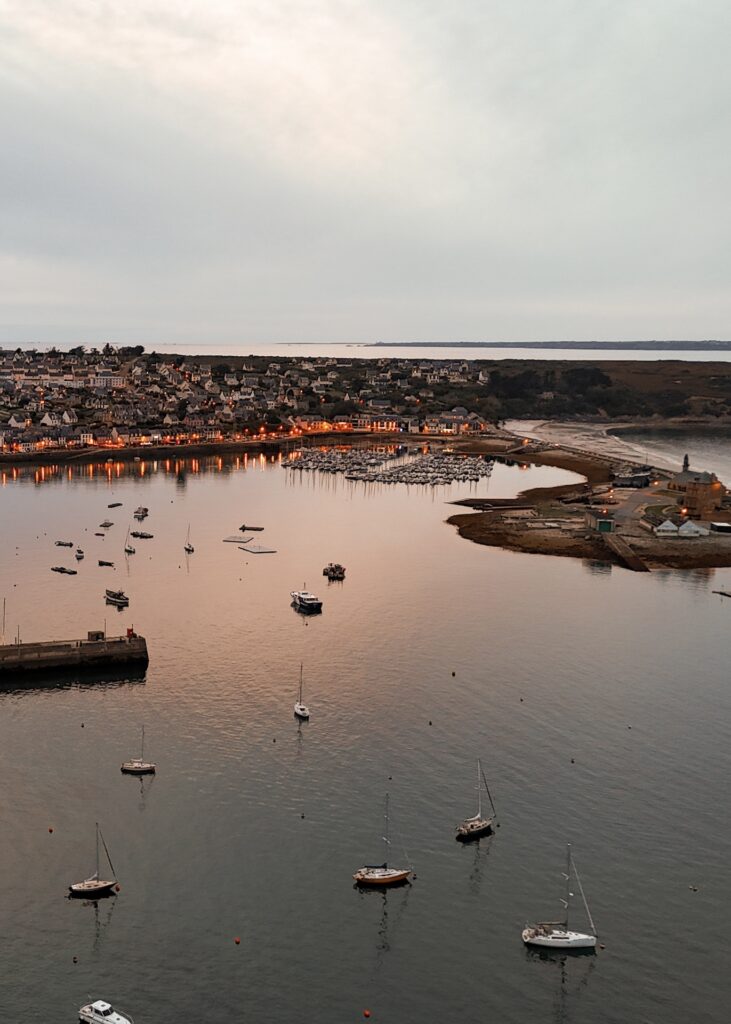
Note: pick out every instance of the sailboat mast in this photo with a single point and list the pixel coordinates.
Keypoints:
(479, 789)
(97, 849)
(583, 897)
(386, 840)
(142, 748)
(568, 883)
(300, 700)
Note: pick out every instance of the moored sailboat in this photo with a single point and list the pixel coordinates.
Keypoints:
(94, 885)
(381, 874)
(300, 708)
(473, 828)
(188, 547)
(128, 549)
(138, 765)
(557, 934)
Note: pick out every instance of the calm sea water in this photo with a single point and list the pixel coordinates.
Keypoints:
(598, 700)
(344, 350)
(708, 451)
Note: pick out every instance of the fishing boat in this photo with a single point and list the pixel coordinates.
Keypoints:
(63, 569)
(144, 536)
(141, 512)
(557, 934)
(64, 543)
(334, 571)
(473, 828)
(101, 1012)
(79, 554)
(128, 549)
(106, 524)
(94, 885)
(138, 765)
(103, 562)
(188, 548)
(117, 597)
(382, 874)
(301, 710)
(305, 602)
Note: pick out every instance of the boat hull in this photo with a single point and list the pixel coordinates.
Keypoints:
(90, 890)
(558, 939)
(138, 768)
(381, 877)
(467, 832)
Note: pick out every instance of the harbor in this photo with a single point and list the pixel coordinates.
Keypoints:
(432, 654)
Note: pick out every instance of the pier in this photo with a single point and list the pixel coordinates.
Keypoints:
(97, 651)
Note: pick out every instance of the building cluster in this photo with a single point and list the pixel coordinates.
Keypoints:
(122, 397)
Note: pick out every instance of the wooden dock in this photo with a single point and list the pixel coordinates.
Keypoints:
(627, 557)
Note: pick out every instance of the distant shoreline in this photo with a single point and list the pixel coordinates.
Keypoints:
(629, 346)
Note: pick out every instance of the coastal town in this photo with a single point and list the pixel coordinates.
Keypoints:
(118, 398)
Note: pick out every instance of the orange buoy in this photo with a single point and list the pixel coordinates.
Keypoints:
(237, 940)
(50, 829)
(366, 1013)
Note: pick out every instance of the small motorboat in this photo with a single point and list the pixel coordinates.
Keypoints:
(64, 543)
(138, 765)
(106, 524)
(256, 529)
(141, 512)
(305, 602)
(101, 1012)
(143, 536)
(95, 886)
(64, 570)
(334, 571)
(79, 554)
(100, 534)
(117, 597)
(102, 562)
(115, 504)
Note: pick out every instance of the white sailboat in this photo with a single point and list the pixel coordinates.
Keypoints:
(94, 885)
(473, 828)
(557, 934)
(138, 765)
(128, 549)
(300, 708)
(382, 874)
(188, 548)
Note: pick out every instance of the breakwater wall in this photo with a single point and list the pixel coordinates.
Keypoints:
(64, 654)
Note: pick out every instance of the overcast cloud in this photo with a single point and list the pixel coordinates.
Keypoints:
(343, 170)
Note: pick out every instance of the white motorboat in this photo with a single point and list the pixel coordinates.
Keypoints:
(301, 710)
(94, 886)
(557, 934)
(188, 547)
(381, 874)
(473, 828)
(305, 602)
(101, 1012)
(138, 765)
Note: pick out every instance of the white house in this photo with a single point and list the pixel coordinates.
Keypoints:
(666, 529)
(690, 530)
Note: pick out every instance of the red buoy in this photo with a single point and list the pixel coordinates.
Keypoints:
(237, 940)
(366, 1013)
(117, 887)
(50, 829)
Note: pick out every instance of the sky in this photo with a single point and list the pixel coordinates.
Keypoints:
(246, 171)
